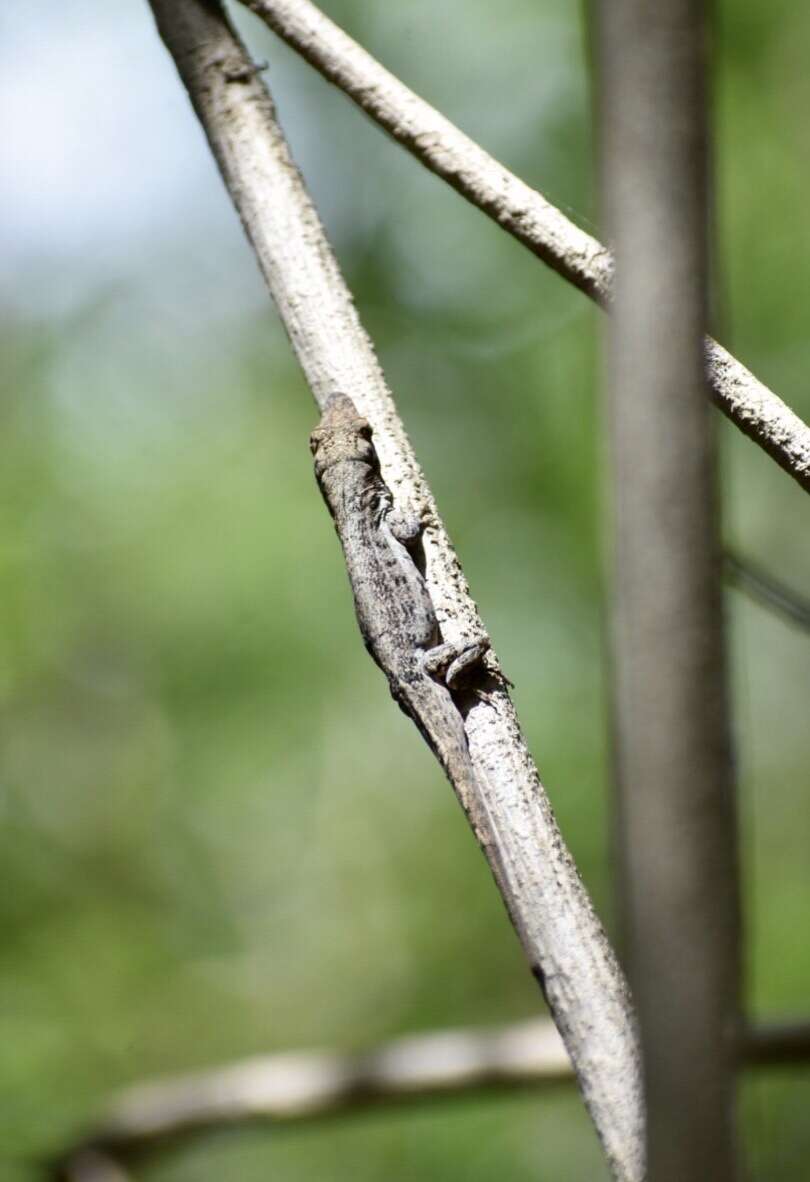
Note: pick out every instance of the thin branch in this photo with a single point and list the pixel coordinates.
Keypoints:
(91, 1164)
(305, 1086)
(520, 210)
(563, 940)
(677, 836)
(778, 1044)
(764, 589)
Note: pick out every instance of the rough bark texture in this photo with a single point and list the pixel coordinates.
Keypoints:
(439, 145)
(563, 939)
(521, 211)
(677, 834)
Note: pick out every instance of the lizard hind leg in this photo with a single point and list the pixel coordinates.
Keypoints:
(449, 661)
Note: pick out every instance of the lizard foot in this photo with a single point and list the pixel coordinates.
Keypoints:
(405, 526)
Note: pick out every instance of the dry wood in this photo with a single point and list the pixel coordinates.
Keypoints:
(550, 909)
(297, 1086)
(520, 210)
(676, 833)
(305, 1085)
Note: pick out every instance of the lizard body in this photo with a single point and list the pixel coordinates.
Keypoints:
(392, 602)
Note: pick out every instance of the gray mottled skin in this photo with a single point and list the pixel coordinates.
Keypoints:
(391, 599)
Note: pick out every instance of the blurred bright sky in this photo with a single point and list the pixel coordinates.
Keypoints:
(106, 175)
(94, 138)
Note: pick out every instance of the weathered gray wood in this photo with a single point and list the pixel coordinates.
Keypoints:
(550, 909)
(677, 834)
(520, 210)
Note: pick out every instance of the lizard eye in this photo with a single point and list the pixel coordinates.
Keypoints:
(363, 428)
(315, 439)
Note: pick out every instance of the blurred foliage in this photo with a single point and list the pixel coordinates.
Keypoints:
(219, 836)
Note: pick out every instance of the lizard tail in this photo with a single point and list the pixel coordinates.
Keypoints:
(433, 710)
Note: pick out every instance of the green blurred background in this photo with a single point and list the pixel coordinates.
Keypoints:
(219, 836)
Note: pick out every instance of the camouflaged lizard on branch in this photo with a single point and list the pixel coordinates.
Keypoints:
(393, 605)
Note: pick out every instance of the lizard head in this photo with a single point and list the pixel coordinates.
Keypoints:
(342, 434)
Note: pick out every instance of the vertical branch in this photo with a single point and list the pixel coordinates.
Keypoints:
(677, 844)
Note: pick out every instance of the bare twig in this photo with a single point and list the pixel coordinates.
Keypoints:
(440, 146)
(762, 587)
(308, 1085)
(777, 1044)
(549, 907)
(676, 793)
(520, 210)
(90, 1164)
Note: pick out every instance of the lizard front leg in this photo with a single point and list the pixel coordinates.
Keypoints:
(445, 661)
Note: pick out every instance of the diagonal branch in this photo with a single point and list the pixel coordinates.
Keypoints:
(299, 1086)
(563, 940)
(520, 210)
(763, 588)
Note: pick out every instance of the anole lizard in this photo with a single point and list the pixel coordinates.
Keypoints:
(393, 605)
